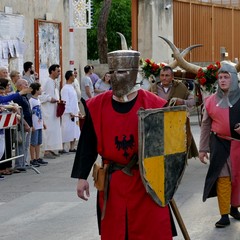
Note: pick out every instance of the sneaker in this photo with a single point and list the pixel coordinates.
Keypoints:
(73, 150)
(62, 151)
(2, 177)
(42, 162)
(34, 163)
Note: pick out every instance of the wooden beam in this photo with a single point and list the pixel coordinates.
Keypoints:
(134, 24)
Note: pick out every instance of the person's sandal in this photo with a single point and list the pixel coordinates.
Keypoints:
(6, 172)
(49, 156)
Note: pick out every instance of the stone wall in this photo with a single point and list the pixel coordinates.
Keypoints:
(58, 10)
(155, 19)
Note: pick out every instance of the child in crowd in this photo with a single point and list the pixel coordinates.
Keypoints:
(38, 125)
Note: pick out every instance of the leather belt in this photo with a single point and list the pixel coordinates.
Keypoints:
(226, 137)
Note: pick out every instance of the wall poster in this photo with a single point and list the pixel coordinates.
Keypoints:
(48, 46)
(12, 46)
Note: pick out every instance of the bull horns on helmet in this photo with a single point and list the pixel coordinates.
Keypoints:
(174, 64)
(181, 61)
(123, 41)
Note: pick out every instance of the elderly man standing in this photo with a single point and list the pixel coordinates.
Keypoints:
(169, 89)
(176, 93)
(52, 135)
(27, 116)
(4, 72)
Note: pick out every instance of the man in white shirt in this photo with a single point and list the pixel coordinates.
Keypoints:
(70, 127)
(52, 136)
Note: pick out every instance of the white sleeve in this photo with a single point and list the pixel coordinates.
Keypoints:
(65, 97)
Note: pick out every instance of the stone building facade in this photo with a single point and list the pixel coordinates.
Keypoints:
(18, 33)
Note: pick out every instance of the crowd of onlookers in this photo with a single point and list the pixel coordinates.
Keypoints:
(40, 133)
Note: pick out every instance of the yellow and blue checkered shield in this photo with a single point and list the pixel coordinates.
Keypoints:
(162, 150)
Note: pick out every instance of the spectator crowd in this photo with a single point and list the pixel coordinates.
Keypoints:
(40, 134)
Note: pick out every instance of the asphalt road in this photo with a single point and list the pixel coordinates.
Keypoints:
(45, 206)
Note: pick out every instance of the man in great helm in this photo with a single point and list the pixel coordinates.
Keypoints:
(111, 130)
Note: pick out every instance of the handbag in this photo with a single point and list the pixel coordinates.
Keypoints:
(60, 108)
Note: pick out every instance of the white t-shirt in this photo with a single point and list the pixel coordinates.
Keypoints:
(36, 113)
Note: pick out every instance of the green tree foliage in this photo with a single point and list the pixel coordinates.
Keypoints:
(119, 20)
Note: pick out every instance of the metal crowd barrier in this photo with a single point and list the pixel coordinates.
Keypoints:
(14, 127)
(9, 122)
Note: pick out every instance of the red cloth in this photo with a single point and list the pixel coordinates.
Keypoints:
(219, 115)
(81, 122)
(60, 108)
(117, 137)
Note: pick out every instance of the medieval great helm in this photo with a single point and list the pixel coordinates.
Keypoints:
(123, 66)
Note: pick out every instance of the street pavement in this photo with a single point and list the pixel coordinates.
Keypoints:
(45, 206)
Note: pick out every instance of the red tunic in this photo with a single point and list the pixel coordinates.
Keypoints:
(221, 124)
(129, 208)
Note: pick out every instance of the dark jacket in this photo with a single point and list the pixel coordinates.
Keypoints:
(27, 112)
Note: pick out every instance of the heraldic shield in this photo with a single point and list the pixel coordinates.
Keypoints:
(162, 151)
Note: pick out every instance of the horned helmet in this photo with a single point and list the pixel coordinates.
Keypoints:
(123, 67)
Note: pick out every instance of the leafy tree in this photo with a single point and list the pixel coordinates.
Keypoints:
(119, 20)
